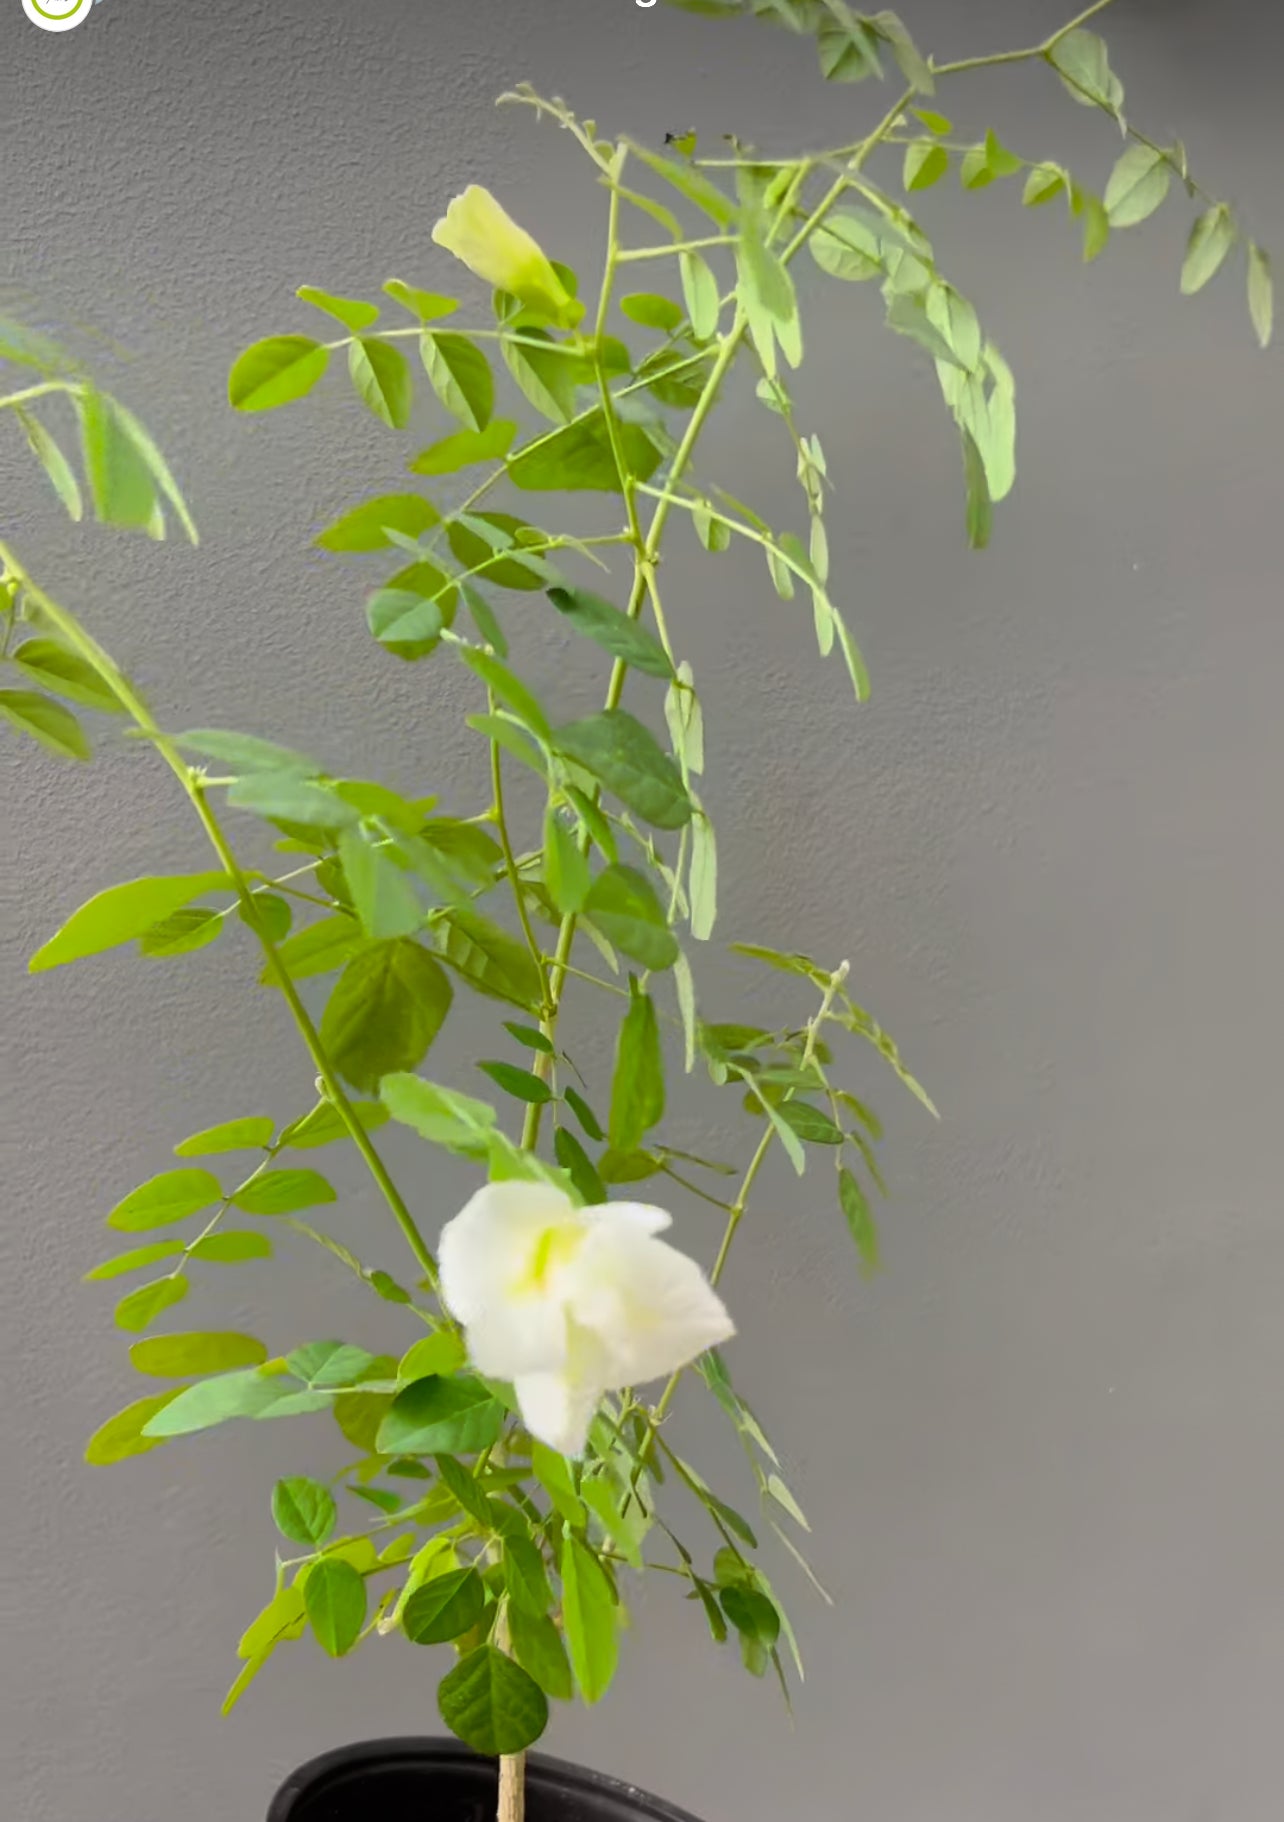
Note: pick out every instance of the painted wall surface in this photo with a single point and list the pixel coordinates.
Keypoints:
(1042, 1452)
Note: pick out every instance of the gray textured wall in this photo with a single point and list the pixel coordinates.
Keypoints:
(1042, 1452)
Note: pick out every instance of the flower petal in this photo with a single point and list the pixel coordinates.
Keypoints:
(651, 1308)
(638, 1215)
(557, 1409)
(491, 1242)
(527, 1335)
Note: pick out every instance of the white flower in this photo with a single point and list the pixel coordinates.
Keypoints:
(569, 1303)
(478, 230)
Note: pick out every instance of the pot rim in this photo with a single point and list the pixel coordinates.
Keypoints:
(542, 1772)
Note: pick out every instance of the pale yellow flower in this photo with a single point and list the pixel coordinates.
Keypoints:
(479, 231)
(568, 1303)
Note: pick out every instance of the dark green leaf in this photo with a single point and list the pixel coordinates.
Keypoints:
(444, 1608)
(303, 1510)
(483, 537)
(580, 458)
(860, 1220)
(491, 1704)
(579, 1167)
(810, 1123)
(509, 688)
(335, 1598)
(752, 1615)
(490, 960)
(566, 869)
(276, 372)
(460, 375)
(623, 905)
(637, 1087)
(537, 1645)
(583, 1113)
(436, 1416)
(556, 1476)
(626, 757)
(617, 633)
(520, 1083)
(162, 1200)
(386, 1008)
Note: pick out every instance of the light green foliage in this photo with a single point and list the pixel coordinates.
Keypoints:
(576, 874)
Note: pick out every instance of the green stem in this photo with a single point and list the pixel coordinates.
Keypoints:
(94, 655)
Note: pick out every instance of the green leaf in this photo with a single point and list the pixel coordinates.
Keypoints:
(860, 1220)
(366, 527)
(303, 1510)
(335, 1598)
(510, 689)
(245, 753)
(325, 1124)
(704, 878)
(182, 932)
(491, 1704)
(383, 897)
(520, 1083)
(444, 1608)
(925, 164)
(440, 1115)
(460, 375)
(566, 870)
(231, 1246)
(426, 305)
(1096, 226)
(627, 1166)
(1261, 293)
(250, 1393)
(328, 1366)
(233, 1135)
(119, 475)
(767, 293)
(537, 1646)
(1044, 182)
(615, 632)
(810, 1124)
(700, 294)
(283, 797)
(1211, 239)
(637, 1087)
(140, 1308)
(283, 1192)
(131, 1261)
(979, 512)
(555, 1475)
(623, 905)
(53, 666)
(465, 448)
(352, 312)
(589, 1617)
(915, 68)
(48, 722)
(846, 246)
(784, 1132)
(1137, 186)
(543, 371)
(481, 538)
(440, 1354)
(408, 621)
(386, 1008)
(380, 373)
(162, 1200)
(625, 756)
(579, 1167)
(624, 1534)
(525, 1576)
(490, 960)
(62, 477)
(122, 1435)
(652, 311)
(186, 1356)
(908, 316)
(438, 1416)
(583, 1113)
(1082, 61)
(580, 458)
(320, 948)
(752, 1614)
(276, 372)
(692, 184)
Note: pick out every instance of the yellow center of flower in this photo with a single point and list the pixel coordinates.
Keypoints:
(556, 1247)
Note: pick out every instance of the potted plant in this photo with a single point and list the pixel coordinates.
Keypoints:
(509, 1469)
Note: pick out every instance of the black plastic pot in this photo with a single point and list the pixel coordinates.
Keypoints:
(442, 1781)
